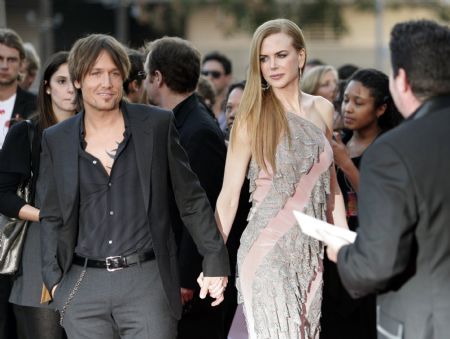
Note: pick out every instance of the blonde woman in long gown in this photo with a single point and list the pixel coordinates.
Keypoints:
(280, 139)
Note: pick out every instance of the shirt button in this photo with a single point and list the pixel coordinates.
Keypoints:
(109, 184)
(110, 242)
(111, 212)
(94, 162)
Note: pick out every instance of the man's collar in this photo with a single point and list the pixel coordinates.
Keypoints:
(431, 105)
(182, 110)
(123, 110)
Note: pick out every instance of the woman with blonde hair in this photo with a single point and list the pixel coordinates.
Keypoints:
(322, 81)
(281, 136)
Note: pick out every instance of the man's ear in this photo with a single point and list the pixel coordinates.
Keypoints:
(229, 78)
(402, 81)
(77, 84)
(158, 77)
(133, 86)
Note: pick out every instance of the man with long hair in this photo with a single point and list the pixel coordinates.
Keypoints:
(108, 249)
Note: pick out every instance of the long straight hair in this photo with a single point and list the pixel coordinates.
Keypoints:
(46, 115)
(260, 112)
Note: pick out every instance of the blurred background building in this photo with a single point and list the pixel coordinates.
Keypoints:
(337, 31)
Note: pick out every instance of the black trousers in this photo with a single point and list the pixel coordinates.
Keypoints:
(38, 323)
(7, 321)
(201, 321)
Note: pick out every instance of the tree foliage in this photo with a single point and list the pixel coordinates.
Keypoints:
(314, 14)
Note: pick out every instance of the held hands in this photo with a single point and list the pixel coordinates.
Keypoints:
(215, 286)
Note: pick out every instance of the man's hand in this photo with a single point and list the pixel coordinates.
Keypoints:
(186, 295)
(215, 286)
(333, 244)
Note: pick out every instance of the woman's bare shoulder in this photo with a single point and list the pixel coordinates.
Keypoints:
(318, 110)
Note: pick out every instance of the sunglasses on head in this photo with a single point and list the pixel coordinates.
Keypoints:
(141, 75)
(214, 74)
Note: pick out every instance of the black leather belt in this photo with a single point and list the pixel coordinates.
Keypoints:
(114, 263)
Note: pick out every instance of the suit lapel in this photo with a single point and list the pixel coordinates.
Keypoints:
(142, 133)
(69, 163)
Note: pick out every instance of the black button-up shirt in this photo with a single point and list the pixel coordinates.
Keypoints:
(112, 216)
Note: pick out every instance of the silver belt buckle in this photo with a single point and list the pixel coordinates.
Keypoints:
(110, 262)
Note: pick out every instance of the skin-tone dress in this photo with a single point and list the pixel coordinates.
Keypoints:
(280, 268)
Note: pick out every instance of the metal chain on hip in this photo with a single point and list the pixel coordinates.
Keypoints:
(71, 296)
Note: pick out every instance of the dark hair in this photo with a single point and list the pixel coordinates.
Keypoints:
(177, 60)
(84, 54)
(422, 49)
(219, 57)
(137, 69)
(346, 71)
(10, 38)
(378, 85)
(206, 91)
(240, 84)
(46, 115)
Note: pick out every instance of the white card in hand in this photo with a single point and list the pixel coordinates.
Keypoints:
(311, 226)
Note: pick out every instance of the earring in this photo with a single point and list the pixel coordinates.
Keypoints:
(264, 85)
(47, 91)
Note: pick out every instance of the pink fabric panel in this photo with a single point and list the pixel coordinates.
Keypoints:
(277, 227)
(238, 328)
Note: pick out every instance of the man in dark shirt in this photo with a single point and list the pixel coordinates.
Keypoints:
(105, 215)
(173, 67)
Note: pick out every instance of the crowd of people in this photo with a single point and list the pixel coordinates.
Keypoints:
(163, 192)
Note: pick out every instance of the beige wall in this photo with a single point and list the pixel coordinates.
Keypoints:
(207, 27)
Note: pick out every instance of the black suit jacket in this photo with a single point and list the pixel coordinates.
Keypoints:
(204, 143)
(160, 160)
(24, 106)
(402, 250)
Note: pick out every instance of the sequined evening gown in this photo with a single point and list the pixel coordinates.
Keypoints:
(279, 267)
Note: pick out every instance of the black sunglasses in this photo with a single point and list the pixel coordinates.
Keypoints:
(214, 74)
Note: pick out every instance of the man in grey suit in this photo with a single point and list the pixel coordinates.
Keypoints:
(402, 251)
(108, 249)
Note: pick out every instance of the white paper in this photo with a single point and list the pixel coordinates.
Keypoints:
(311, 226)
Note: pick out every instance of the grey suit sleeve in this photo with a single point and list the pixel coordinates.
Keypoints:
(195, 210)
(387, 221)
(50, 218)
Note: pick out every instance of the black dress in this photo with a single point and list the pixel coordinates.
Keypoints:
(342, 316)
